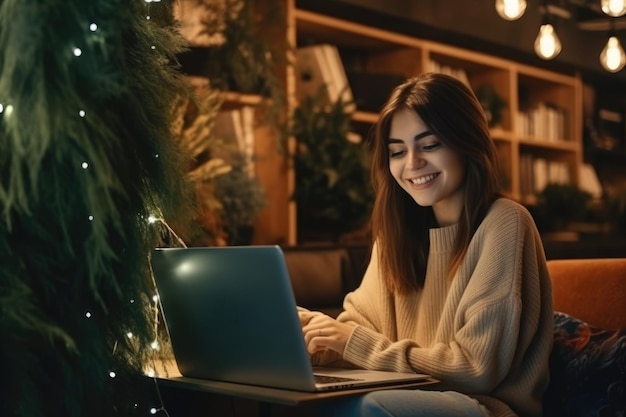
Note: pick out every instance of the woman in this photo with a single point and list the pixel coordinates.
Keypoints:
(457, 286)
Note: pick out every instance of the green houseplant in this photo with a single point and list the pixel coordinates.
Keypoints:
(242, 199)
(560, 204)
(228, 197)
(333, 192)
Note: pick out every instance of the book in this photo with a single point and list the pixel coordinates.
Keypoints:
(320, 71)
(236, 129)
(589, 182)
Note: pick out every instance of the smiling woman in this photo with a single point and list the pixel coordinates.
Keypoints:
(425, 167)
(447, 250)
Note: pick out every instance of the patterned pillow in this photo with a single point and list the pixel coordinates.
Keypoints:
(588, 370)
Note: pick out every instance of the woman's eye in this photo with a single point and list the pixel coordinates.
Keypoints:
(396, 153)
(431, 146)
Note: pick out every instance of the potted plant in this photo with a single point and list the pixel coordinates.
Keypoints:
(560, 204)
(228, 197)
(242, 199)
(492, 103)
(333, 192)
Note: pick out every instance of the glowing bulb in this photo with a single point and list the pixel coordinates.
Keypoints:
(510, 9)
(613, 8)
(547, 44)
(82, 113)
(612, 56)
(78, 52)
(112, 374)
(93, 27)
(153, 410)
(152, 219)
(1, 108)
(155, 298)
(129, 335)
(84, 165)
(88, 315)
(154, 345)
(90, 218)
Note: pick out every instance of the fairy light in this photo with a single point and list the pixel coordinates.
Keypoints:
(152, 219)
(112, 374)
(82, 113)
(88, 315)
(6, 110)
(84, 165)
(150, 371)
(78, 52)
(90, 218)
(93, 27)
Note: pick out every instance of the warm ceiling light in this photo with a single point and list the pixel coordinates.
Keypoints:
(613, 8)
(612, 56)
(510, 9)
(547, 43)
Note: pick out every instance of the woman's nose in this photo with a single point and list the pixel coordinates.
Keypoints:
(416, 161)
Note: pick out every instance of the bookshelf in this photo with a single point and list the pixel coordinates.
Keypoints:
(541, 119)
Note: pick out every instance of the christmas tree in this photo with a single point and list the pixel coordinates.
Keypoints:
(89, 174)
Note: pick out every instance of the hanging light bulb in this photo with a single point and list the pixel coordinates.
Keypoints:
(613, 8)
(510, 9)
(612, 56)
(547, 43)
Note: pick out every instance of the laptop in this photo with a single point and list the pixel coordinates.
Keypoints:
(231, 316)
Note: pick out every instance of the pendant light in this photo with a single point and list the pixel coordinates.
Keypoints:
(510, 9)
(613, 8)
(547, 43)
(612, 57)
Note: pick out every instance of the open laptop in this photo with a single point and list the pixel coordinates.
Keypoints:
(231, 316)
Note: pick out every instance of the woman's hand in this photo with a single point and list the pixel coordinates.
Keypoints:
(322, 332)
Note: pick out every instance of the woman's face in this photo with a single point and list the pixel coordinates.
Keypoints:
(428, 170)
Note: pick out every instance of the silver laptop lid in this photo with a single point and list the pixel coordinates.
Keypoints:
(229, 312)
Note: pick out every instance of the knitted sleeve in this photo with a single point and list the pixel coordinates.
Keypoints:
(484, 327)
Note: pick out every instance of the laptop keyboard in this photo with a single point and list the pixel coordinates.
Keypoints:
(325, 379)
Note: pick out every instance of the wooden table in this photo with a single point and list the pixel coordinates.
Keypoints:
(192, 396)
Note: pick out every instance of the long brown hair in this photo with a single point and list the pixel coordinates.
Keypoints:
(399, 226)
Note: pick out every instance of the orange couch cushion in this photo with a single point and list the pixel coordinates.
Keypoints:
(593, 290)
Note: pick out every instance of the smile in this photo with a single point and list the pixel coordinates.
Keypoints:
(424, 179)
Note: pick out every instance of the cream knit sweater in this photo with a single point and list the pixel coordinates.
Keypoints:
(486, 333)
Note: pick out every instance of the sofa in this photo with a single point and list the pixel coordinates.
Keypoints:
(588, 361)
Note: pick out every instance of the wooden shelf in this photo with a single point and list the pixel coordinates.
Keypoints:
(542, 118)
(376, 50)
